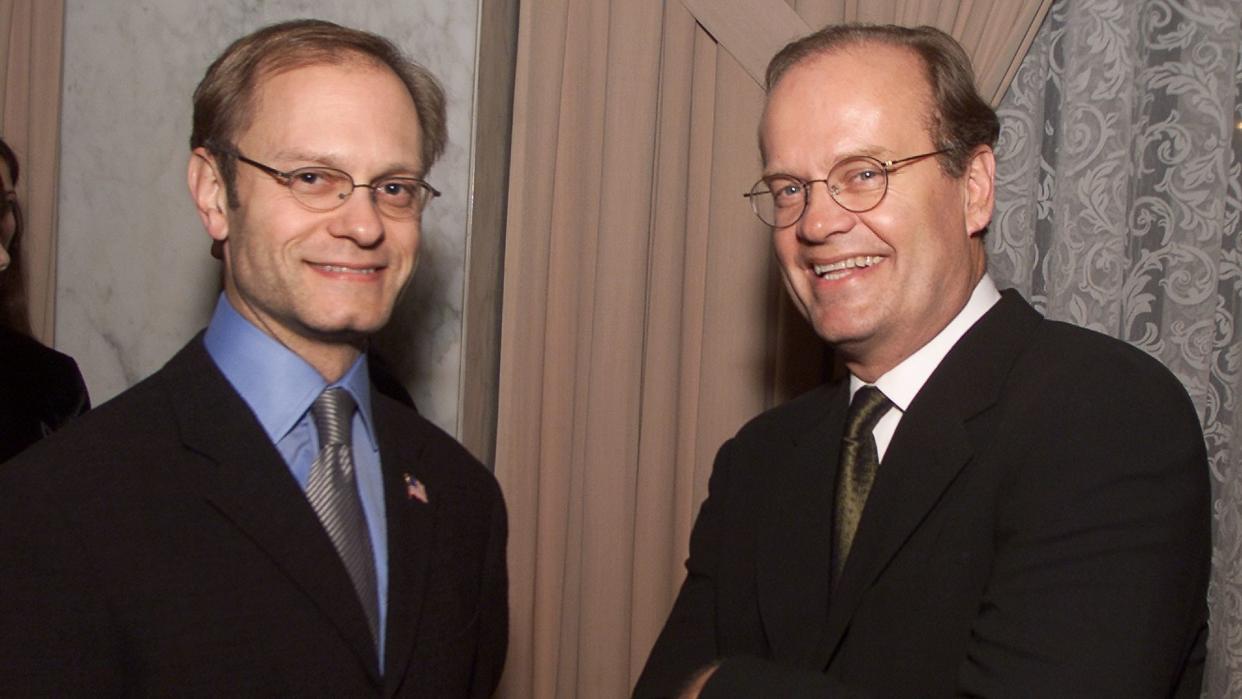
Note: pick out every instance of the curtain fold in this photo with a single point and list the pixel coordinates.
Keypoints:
(643, 321)
(30, 42)
(996, 35)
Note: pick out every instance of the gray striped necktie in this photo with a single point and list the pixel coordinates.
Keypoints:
(333, 493)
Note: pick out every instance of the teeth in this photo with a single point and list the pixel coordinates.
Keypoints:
(862, 261)
(348, 270)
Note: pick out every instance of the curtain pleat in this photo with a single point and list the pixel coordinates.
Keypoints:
(996, 35)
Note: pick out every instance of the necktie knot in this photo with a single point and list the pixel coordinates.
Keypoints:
(333, 412)
(866, 409)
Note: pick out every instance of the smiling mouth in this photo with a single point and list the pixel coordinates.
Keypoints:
(338, 269)
(842, 268)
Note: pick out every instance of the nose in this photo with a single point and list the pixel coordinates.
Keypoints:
(823, 217)
(358, 218)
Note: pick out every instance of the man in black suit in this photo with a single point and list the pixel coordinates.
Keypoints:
(992, 504)
(256, 518)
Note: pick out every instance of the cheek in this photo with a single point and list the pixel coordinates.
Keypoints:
(891, 223)
(785, 246)
(408, 243)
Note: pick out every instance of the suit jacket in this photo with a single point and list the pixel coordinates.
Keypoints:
(40, 391)
(1039, 526)
(160, 546)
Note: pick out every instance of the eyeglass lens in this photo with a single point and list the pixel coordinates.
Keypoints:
(857, 184)
(324, 189)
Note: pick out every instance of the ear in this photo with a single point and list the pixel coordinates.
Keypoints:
(209, 194)
(980, 191)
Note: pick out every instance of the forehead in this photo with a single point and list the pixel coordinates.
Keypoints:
(311, 106)
(860, 96)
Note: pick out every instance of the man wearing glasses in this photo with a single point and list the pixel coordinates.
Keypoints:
(992, 504)
(256, 518)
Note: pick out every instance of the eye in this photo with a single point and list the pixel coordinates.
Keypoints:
(317, 181)
(786, 192)
(399, 191)
(396, 189)
(858, 174)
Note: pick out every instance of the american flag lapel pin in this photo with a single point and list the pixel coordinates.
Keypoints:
(415, 490)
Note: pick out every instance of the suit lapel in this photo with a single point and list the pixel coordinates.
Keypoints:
(411, 528)
(249, 483)
(915, 471)
(933, 442)
(794, 547)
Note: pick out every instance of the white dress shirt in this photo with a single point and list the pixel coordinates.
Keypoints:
(904, 381)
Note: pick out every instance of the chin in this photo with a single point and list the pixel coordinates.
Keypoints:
(841, 336)
(350, 329)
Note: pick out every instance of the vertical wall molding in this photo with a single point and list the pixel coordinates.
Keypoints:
(485, 235)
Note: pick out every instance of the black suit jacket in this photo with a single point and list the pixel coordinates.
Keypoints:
(40, 391)
(160, 546)
(1039, 526)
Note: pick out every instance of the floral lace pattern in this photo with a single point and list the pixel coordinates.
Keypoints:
(1119, 193)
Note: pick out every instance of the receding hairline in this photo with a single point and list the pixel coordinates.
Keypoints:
(853, 45)
(273, 66)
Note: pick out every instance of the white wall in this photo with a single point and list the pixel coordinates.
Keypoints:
(135, 276)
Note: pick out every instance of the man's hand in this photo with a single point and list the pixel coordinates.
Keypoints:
(697, 682)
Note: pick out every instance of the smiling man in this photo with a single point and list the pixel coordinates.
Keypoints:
(991, 504)
(256, 518)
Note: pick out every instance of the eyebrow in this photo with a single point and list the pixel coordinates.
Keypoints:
(877, 152)
(332, 161)
(880, 153)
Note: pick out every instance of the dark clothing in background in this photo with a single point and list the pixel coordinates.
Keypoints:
(40, 390)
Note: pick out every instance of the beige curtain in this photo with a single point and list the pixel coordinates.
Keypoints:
(30, 44)
(643, 319)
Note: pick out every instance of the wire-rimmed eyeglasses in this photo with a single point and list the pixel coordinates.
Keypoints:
(858, 183)
(324, 188)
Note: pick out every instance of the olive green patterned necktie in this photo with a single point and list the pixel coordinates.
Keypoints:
(856, 470)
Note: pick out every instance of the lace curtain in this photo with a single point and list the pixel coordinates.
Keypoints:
(1118, 204)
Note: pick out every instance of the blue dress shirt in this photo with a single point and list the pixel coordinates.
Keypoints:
(279, 386)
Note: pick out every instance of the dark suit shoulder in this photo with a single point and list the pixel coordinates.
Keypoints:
(125, 439)
(791, 418)
(1047, 370)
(1085, 365)
(1087, 345)
(441, 457)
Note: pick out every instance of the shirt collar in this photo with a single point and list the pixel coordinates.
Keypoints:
(277, 384)
(904, 381)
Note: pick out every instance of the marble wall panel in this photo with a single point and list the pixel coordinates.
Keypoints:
(136, 279)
